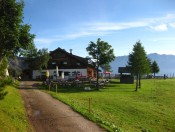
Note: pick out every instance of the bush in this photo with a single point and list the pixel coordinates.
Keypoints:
(2, 93)
(3, 82)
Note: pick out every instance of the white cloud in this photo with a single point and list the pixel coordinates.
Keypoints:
(163, 39)
(164, 51)
(172, 25)
(107, 26)
(154, 23)
(103, 28)
(46, 41)
(162, 27)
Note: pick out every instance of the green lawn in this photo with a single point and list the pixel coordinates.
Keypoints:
(13, 117)
(118, 107)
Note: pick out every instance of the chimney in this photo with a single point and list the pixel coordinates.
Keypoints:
(71, 51)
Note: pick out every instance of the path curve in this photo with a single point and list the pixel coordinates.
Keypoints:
(47, 114)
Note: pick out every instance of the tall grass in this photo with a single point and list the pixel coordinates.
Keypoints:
(118, 107)
(13, 116)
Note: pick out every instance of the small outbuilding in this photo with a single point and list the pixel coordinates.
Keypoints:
(125, 75)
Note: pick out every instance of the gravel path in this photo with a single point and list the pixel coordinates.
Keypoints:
(47, 114)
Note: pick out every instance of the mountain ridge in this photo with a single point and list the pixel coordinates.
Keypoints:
(166, 63)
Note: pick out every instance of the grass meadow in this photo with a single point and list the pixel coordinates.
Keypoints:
(118, 108)
(13, 117)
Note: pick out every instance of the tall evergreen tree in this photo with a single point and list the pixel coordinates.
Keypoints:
(138, 63)
(155, 68)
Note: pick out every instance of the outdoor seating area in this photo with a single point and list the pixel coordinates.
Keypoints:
(101, 83)
(78, 83)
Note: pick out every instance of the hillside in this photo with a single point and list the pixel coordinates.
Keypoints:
(165, 62)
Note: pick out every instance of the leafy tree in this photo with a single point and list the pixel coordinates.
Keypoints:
(155, 68)
(14, 68)
(102, 52)
(42, 58)
(106, 67)
(30, 54)
(14, 35)
(138, 62)
(37, 59)
(3, 66)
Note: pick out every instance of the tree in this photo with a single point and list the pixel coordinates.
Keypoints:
(42, 58)
(102, 52)
(2, 92)
(138, 63)
(37, 59)
(147, 70)
(14, 35)
(3, 66)
(106, 67)
(155, 68)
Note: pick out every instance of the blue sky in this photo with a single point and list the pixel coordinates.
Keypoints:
(72, 24)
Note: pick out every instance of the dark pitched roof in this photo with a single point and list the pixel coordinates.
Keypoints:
(123, 70)
(81, 59)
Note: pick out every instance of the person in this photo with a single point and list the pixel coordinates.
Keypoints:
(164, 76)
(47, 81)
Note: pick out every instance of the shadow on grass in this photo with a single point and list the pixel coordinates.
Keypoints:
(69, 89)
(93, 89)
(115, 82)
(113, 86)
(119, 87)
(28, 86)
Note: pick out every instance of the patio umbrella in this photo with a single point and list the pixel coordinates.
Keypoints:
(62, 75)
(6, 72)
(47, 73)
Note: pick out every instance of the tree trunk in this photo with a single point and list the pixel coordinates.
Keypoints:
(137, 82)
(97, 79)
(154, 74)
(1, 58)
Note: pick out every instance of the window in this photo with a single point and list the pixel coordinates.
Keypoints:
(66, 73)
(65, 62)
(78, 63)
(53, 63)
(43, 73)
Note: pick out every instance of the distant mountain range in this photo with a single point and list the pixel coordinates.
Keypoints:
(166, 63)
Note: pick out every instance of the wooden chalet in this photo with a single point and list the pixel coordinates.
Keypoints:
(69, 66)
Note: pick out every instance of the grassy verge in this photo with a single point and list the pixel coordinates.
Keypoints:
(12, 112)
(117, 107)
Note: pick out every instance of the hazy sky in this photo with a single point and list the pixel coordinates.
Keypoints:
(72, 24)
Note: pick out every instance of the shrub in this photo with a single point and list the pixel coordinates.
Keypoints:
(3, 82)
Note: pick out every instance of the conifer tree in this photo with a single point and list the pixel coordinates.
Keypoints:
(138, 63)
(155, 68)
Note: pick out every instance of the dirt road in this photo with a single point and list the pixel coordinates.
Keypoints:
(50, 115)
